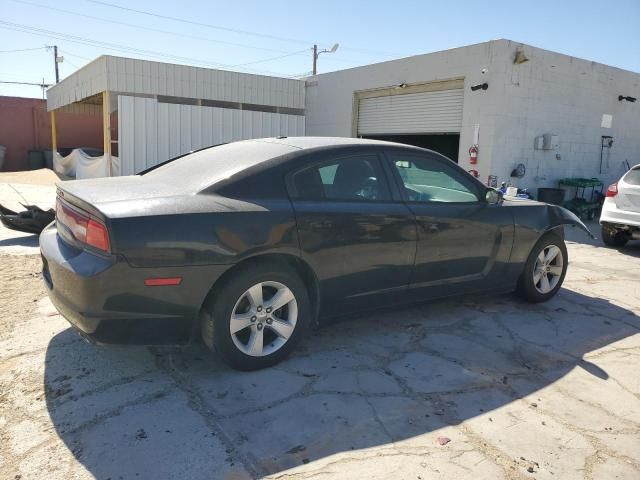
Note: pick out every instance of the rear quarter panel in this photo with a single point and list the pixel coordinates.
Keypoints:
(202, 230)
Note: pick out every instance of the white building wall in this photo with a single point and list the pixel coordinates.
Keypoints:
(551, 93)
(329, 97)
(564, 96)
(151, 132)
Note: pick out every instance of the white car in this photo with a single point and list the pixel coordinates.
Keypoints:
(620, 217)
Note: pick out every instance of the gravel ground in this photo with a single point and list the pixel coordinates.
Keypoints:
(477, 388)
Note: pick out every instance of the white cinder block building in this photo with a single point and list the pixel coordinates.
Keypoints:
(553, 113)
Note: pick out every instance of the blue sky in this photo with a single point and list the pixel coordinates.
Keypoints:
(241, 34)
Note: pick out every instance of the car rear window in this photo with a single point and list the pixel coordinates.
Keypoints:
(633, 176)
(204, 168)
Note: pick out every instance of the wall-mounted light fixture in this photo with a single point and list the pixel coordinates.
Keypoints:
(628, 99)
(520, 57)
(480, 86)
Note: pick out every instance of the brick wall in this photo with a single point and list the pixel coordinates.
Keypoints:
(25, 125)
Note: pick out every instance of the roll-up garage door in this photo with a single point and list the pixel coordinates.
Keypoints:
(411, 113)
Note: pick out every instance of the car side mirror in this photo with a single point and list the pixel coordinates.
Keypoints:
(493, 196)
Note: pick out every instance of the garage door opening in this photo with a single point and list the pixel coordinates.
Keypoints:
(447, 144)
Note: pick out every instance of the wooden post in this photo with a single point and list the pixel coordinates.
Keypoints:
(54, 139)
(106, 127)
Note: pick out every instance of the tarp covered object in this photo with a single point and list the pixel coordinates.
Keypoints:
(81, 165)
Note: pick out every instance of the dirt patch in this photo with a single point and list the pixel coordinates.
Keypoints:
(22, 287)
(44, 176)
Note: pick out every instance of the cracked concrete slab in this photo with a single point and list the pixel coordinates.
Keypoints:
(472, 388)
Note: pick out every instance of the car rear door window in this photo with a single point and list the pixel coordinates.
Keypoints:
(430, 179)
(354, 178)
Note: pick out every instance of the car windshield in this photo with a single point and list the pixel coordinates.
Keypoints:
(633, 176)
(199, 170)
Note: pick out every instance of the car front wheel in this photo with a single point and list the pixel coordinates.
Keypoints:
(257, 316)
(545, 269)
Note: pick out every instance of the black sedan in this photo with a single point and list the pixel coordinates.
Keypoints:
(251, 243)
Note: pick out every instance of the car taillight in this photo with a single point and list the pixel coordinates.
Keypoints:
(97, 235)
(84, 228)
(612, 191)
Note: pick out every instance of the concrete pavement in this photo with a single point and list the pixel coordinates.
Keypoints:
(473, 388)
(477, 388)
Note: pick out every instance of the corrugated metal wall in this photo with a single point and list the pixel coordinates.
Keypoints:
(144, 77)
(128, 75)
(89, 80)
(150, 132)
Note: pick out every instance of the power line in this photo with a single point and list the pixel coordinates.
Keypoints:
(188, 36)
(23, 50)
(41, 85)
(200, 24)
(113, 46)
(272, 58)
(67, 52)
(142, 27)
(228, 29)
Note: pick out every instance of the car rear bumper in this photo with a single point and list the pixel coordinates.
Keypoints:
(611, 214)
(108, 302)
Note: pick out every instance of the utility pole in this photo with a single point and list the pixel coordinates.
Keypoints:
(315, 59)
(55, 61)
(317, 53)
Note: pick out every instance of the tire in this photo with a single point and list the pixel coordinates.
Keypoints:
(233, 296)
(613, 238)
(531, 285)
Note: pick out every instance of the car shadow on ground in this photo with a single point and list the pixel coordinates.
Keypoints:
(20, 241)
(385, 377)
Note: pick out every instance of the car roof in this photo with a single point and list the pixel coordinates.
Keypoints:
(232, 161)
(304, 143)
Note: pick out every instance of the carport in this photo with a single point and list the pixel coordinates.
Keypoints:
(154, 111)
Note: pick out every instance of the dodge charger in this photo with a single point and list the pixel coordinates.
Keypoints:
(249, 244)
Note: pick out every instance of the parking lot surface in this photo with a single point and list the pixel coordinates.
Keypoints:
(477, 388)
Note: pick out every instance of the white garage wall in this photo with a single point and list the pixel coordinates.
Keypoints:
(150, 132)
(329, 96)
(565, 96)
(550, 93)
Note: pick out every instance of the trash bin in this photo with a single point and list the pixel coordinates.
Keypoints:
(36, 159)
(3, 150)
(554, 196)
(48, 159)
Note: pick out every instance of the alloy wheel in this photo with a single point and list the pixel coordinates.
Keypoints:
(263, 319)
(548, 269)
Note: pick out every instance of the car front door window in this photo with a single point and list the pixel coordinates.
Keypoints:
(432, 180)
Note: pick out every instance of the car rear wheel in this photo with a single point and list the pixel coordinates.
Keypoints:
(257, 316)
(545, 269)
(614, 238)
